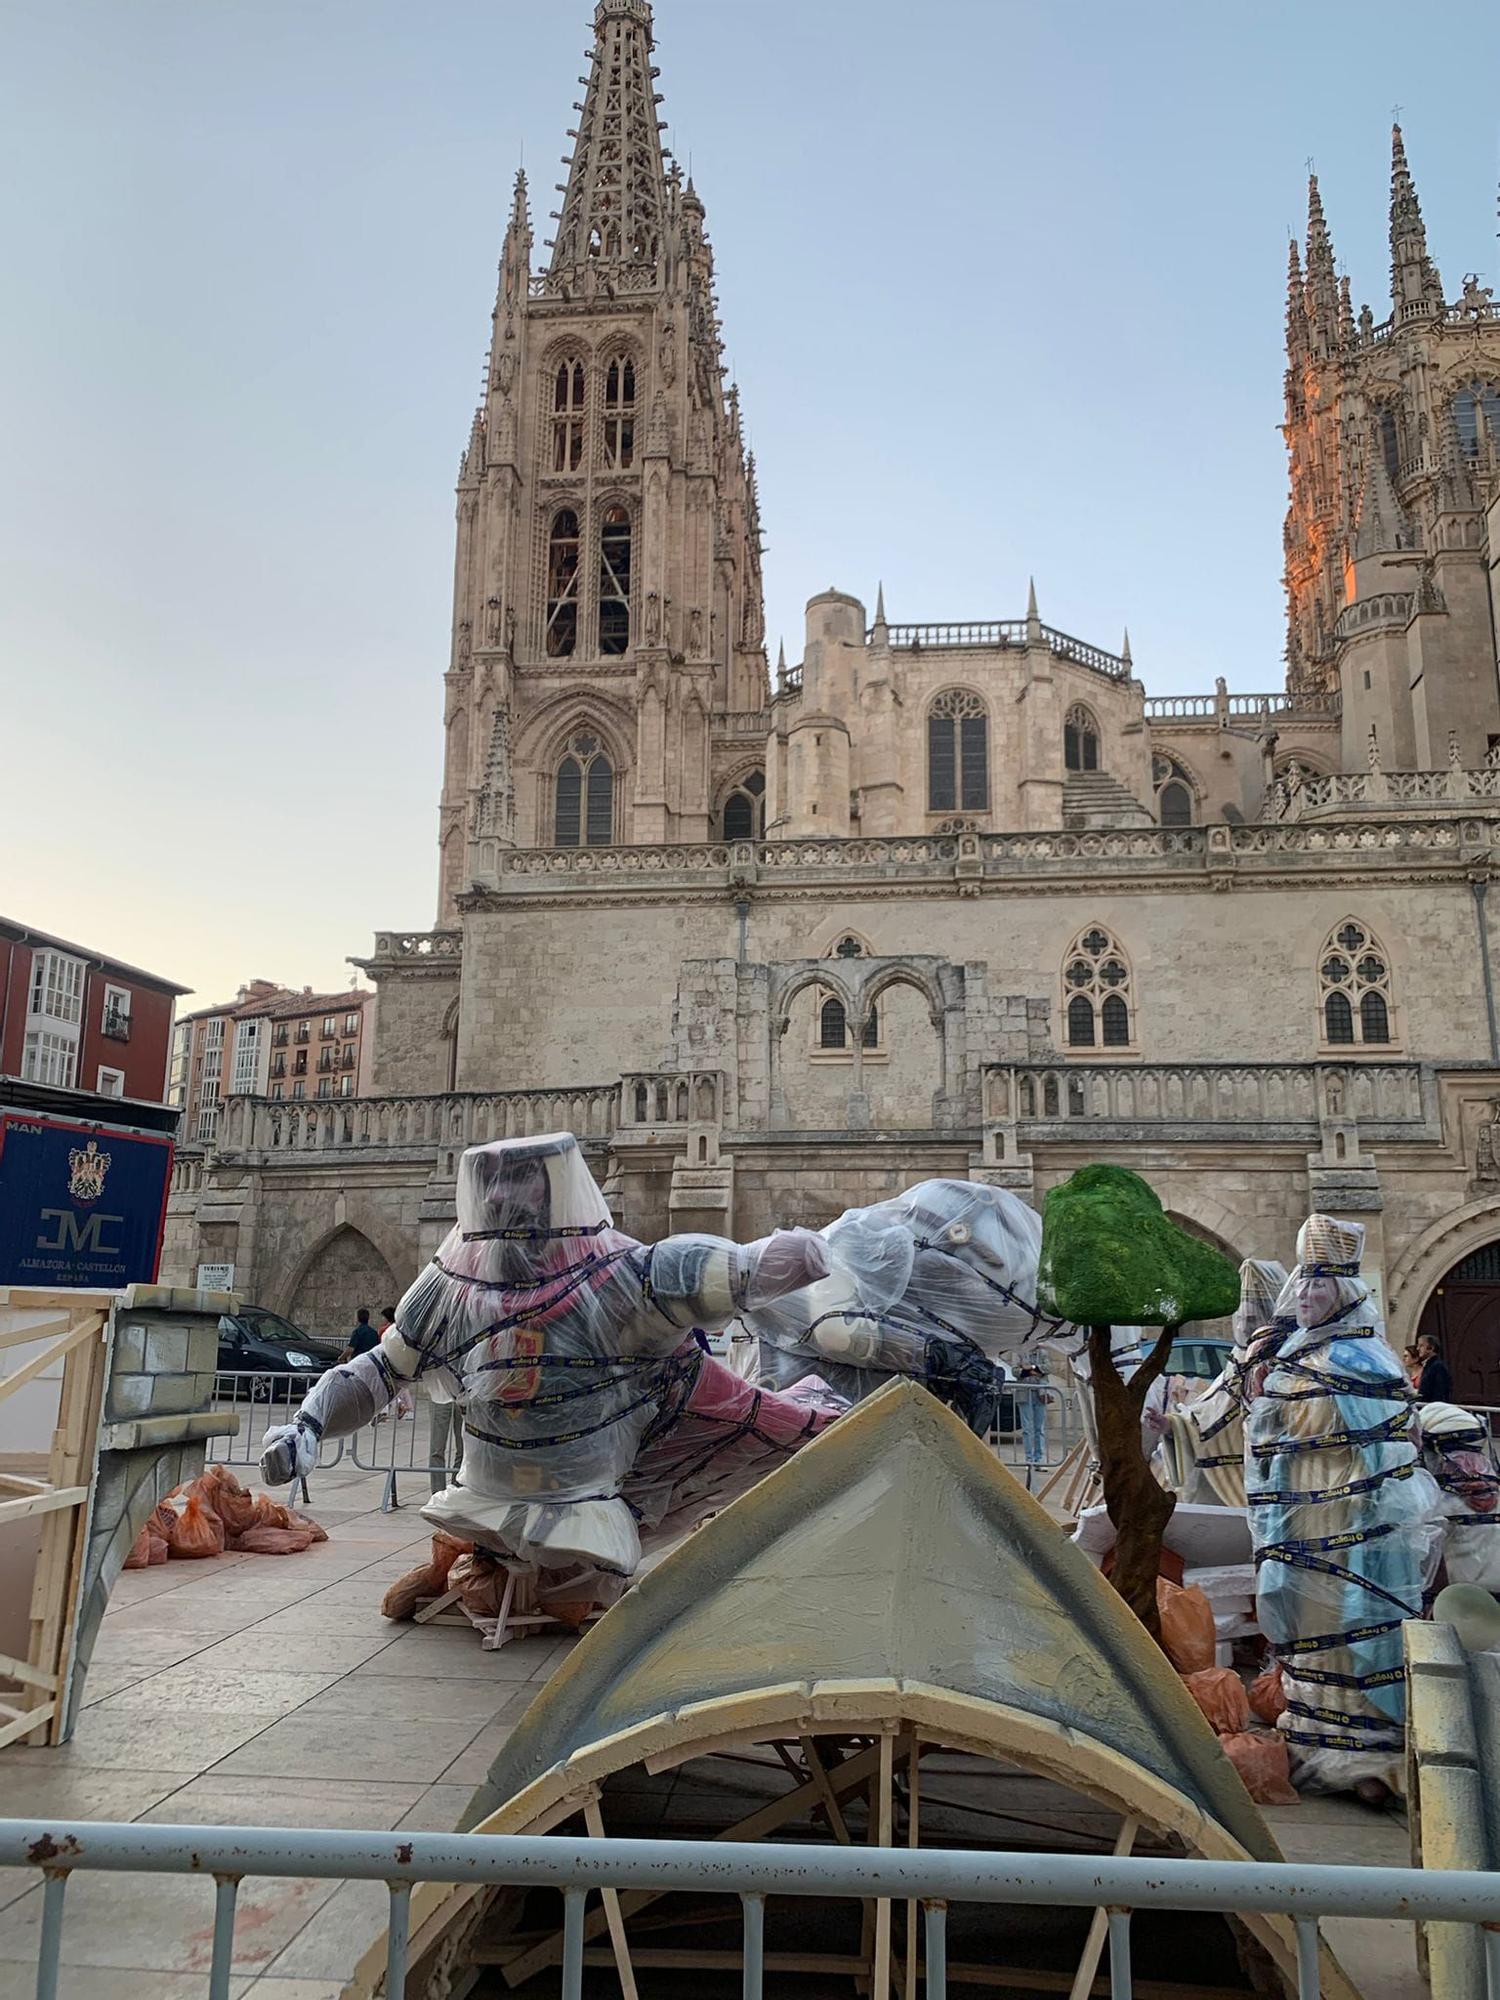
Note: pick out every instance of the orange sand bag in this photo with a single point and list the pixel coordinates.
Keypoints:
(429, 1579)
(196, 1531)
(140, 1551)
(318, 1533)
(161, 1520)
(1187, 1626)
(1267, 1695)
(270, 1513)
(1220, 1693)
(229, 1500)
(156, 1551)
(1260, 1759)
(272, 1542)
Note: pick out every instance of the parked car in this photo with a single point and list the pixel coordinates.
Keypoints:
(274, 1357)
(1202, 1358)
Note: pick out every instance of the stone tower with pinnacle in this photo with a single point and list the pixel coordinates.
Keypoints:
(1393, 437)
(608, 622)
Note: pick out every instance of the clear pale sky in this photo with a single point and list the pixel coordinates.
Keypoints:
(1003, 285)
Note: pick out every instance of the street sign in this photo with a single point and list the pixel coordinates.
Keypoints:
(80, 1204)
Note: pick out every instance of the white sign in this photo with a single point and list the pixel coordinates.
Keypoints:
(216, 1277)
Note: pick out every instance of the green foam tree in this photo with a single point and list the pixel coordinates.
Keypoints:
(1111, 1256)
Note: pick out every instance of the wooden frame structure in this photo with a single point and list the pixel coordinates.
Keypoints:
(74, 1327)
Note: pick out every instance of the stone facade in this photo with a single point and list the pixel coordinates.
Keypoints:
(946, 898)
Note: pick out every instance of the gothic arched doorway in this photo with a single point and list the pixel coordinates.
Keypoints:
(1464, 1315)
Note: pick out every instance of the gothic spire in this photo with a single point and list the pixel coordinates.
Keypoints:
(615, 202)
(1322, 286)
(1416, 287)
(1296, 305)
(1379, 523)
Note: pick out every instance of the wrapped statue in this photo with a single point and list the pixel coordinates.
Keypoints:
(1345, 1520)
(591, 1407)
(939, 1283)
(1456, 1451)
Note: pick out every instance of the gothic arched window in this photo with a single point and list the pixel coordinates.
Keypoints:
(1474, 401)
(833, 1026)
(1175, 793)
(1099, 993)
(614, 581)
(584, 795)
(562, 585)
(619, 413)
(1354, 984)
(745, 808)
(1080, 740)
(569, 409)
(957, 753)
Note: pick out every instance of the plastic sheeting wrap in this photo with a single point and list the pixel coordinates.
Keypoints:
(572, 1349)
(938, 1283)
(1344, 1518)
(1456, 1451)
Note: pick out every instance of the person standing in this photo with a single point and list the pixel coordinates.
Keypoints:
(1435, 1383)
(363, 1338)
(1031, 1392)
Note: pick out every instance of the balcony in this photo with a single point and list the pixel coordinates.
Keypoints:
(325, 1061)
(346, 1061)
(304, 1032)
(116, 1024)
(279, 1039)
(328, 1032)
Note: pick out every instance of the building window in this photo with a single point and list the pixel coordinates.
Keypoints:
(584, 806)
(278, 1066)
(1098, 991)
(957, 753)
(325, 1086)
(614, 581)
(1476, 401)
(562, 585)
(57, 987)
(111, 1082)
(47, 1057)
(351, 1024)
(246, 1071)
(745, 808)
(279, 1039)
(330, 1027)
(1080, 740)
(304, 1030)
(299, 1090)
(207, 1128)
(299, 1063)
(1354, 977)
(569, 407)
(833, 1027)
(347, 1058)
(1175, 794)
(278, 1090)
(346, 1086)
(115, 1020)
(619, 413)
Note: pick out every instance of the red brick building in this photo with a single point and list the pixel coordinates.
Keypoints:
(73, 1019)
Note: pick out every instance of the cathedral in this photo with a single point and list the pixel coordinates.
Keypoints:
(955, 898)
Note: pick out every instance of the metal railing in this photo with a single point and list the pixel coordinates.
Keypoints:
(933, 1878)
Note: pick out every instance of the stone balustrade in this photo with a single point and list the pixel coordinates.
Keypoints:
(276, 1128)
(1311, 795)
(1240, 707)
(405, 945)
(1387, 1100)
(652, 1098)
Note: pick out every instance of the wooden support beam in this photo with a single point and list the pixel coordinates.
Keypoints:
(42, 1327)
(593, 1819)
(1088, 1965)
(29, 1370)
(913, 1763)
(880, 1824)
(46, 1502)
(850, 1775)
(13, 1726)
(19, 1670)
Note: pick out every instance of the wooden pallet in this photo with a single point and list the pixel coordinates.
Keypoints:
(70, 1327)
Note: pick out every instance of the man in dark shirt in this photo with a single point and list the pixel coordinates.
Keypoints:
(363, 1338)
(1435, 1383)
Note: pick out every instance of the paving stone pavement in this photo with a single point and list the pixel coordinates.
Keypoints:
(260, 1691)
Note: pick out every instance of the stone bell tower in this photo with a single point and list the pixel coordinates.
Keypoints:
(607, 600)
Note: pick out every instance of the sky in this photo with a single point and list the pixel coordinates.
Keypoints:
(1003, 285)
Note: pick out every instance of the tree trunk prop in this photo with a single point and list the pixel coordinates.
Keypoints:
(1135, 1500)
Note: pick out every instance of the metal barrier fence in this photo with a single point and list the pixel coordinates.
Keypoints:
(1038, 1424)
(932, 1877)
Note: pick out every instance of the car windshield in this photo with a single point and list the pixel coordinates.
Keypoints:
(271, 1326)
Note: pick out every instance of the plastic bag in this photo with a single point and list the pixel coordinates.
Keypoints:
(233, 1505)
(140, 1551)
(479, 1582)
(270, 1513)
(272, 1542)
(1187, 1626)
(1261, 1760)
(1267, 1695)
(429, 1579)
(197, 1531)
(1220, 1693)
(161, 1520)
(314, 1528)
